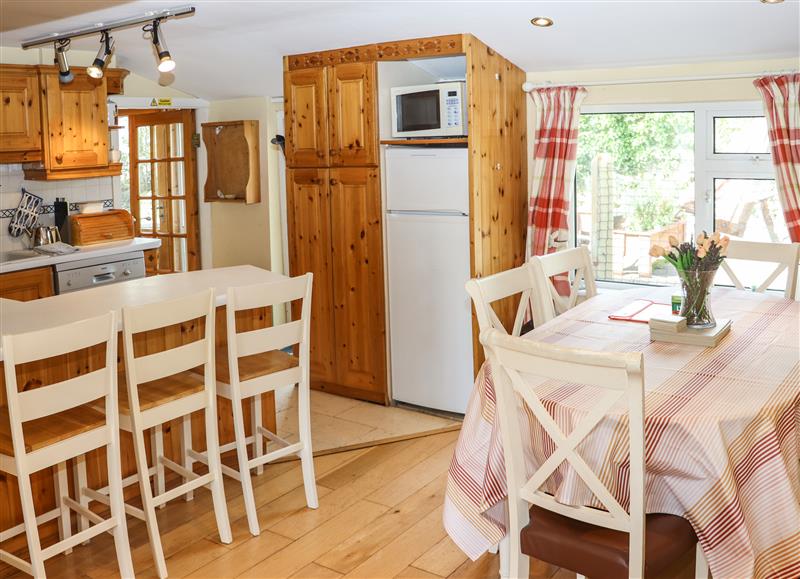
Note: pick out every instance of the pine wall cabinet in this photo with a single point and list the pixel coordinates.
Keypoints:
(60, 131)
(334, 194)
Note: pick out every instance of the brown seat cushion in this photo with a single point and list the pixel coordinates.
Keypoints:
(600, 553)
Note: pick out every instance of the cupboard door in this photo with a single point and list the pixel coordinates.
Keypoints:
(20, 129)
(75, 121)
(353, 114)
(306, 118)
(27, 285)
(309, 221)
(358, 287)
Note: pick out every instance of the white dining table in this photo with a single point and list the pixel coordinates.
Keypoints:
(722, 430)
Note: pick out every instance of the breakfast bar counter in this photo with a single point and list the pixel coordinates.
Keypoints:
(21, 317)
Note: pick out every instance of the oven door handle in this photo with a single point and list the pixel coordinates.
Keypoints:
(103, 277)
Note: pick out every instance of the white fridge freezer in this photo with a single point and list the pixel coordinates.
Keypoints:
(428, 265)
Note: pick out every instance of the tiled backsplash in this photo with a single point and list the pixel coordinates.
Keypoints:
(12, 180)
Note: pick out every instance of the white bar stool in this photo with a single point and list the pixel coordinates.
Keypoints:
(256, 364)
(49, 425)
(161, 387)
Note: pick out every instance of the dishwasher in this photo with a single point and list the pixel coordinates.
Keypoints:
(98, 271)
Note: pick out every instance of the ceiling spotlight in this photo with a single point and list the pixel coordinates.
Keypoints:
(165, 62)
(542, 21)
(103, 56)
(771, 1)
(64, 73)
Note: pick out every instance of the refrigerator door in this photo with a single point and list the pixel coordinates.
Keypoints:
(427, 179)
(429, 310)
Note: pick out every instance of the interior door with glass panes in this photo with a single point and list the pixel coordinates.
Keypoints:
(163, 185)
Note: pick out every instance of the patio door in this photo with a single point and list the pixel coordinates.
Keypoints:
(163, 185)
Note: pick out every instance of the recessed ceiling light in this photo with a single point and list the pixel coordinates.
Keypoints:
(771, 1)
(544, 21)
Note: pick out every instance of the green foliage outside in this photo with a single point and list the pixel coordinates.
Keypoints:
(653, 163)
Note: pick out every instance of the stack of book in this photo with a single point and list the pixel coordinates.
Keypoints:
(673, 329)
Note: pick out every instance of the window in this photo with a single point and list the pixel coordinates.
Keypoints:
(645, 174)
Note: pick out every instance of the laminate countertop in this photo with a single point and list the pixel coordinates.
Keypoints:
(20, 317)
(27, 259)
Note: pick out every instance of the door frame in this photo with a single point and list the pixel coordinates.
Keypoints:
(200, 107)
(191, 194)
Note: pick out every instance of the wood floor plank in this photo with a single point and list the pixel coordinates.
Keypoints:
(414, 478)
(443, 559)
(387, 470)
(314, 571)
(414, 573)
(404, 550)
(272, 512)
(323, 538)
(485, 567)
(194, 557)
(351, 553)
(244, 556)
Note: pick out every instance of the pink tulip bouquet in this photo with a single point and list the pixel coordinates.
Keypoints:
(696, 264)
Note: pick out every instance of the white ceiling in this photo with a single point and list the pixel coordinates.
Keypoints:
(233, 48)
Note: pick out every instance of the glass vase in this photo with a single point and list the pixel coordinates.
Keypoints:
(696, 285)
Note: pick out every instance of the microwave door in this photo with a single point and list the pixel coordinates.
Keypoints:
(419, 111)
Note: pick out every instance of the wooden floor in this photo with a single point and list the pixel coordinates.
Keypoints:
(380, 515)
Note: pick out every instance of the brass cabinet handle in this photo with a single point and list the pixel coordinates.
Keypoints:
(334, 182)
(60, 158)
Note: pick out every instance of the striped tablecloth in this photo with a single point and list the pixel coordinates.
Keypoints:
(722, 430)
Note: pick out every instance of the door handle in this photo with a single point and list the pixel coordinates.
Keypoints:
(334, 182)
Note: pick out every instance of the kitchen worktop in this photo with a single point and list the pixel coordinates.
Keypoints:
(11, 261)
(19, 317)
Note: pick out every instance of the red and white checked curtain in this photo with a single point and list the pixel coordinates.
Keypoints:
(555, 143)
(781, 96)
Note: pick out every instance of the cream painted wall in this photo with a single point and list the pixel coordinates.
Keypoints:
(712, 90)
(240, 234)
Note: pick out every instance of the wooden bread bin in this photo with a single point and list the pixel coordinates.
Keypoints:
(92, 228)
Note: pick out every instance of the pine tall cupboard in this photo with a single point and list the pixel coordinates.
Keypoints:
(334, 198)
(335, 223)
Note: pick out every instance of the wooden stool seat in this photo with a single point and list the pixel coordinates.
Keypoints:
(256, 365)
(50, 429)
(161, 391)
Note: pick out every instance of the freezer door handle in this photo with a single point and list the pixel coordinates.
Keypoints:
(444, 213)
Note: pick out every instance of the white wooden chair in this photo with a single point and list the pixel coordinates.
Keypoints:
(484, 291)
(162, 387)
(621, 378)
(785, 255)
(256, 364)
(49, 425)
(577, 264)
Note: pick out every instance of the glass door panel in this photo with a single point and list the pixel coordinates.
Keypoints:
(165, 200)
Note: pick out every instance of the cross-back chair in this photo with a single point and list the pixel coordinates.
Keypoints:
(485, 291)
(611, 541)
(785, 255)
(577, 264)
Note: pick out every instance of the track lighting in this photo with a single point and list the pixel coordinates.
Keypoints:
(103, 56)
(64, 73)
(165, 62)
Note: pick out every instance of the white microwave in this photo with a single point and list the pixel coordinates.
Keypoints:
(430, 110)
